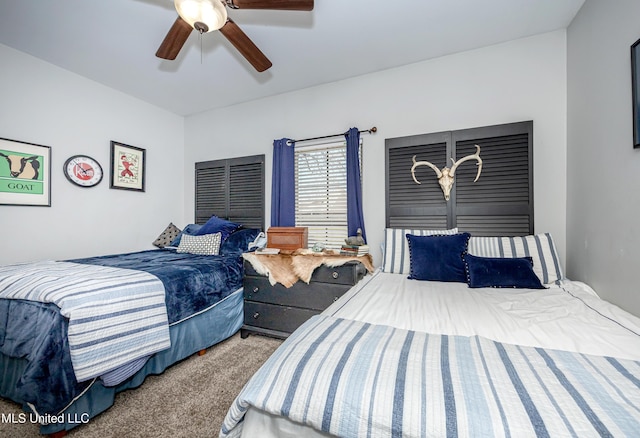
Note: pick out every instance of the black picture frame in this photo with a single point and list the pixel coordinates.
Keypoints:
(128, 167)
(635, 83)
(25, 173)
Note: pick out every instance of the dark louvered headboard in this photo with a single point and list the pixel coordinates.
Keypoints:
(232, 189)
(500, 203)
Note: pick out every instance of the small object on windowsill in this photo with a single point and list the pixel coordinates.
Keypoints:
(268, 251)
(356, 240)
(355, 250)
(318, 247)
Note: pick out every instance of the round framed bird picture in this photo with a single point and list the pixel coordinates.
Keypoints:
(83, 171)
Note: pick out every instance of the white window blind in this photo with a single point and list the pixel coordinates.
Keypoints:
(321, 192)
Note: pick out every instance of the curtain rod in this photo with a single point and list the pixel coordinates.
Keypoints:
(368, 131)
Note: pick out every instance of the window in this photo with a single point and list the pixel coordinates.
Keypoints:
(321, 191)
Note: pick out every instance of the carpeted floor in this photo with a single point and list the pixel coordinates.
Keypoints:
(190, 399)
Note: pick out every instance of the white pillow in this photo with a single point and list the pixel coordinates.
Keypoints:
(206, 244)
(540, 247)
(396, 248)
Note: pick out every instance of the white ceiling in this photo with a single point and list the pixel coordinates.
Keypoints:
(114, 42)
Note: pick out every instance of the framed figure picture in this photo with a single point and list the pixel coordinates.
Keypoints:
(25, 173)
(635, 83)
(127, 167)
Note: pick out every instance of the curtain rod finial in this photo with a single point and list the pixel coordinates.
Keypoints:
(373, 130)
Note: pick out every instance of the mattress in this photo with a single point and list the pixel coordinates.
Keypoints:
(567, 317)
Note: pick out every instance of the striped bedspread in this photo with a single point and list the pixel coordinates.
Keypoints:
(115, 315)
(353, 379)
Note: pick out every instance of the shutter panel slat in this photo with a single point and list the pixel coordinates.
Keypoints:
(487, 207)
(499, 203)
(411, 205)
(494, 225)
(232, 189)
(209, 194)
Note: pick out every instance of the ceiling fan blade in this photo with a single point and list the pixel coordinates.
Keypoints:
(175, 39)
(245, 46)
(286, 5)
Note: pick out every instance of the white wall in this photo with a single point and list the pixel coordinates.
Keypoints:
(603, 237)
(43, 104)
(511, 82)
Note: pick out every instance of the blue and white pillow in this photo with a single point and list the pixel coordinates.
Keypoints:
(206, 244)
(540, 247)
(396, 248)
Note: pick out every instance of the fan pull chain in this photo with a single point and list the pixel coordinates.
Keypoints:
(200, 37)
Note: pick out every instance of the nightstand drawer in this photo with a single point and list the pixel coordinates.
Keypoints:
(272, 317)
(316, 296)
(349, 273)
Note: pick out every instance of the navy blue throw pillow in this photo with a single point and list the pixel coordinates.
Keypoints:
(438, 257)
(501, 272)
(218, 225)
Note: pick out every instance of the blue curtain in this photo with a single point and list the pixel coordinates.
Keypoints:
(355, 218)
(283, 191)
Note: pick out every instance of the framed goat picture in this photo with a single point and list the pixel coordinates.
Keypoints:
(127, 167)
(635, 91)
(25, 173)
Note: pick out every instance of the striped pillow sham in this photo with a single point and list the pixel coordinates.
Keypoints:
(540, 247)
(396, 248)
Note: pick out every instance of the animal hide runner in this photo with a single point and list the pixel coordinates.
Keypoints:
(287, 269)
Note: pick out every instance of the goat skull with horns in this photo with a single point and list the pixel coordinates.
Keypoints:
(446, 176)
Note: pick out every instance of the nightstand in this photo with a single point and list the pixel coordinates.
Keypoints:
(277, 311)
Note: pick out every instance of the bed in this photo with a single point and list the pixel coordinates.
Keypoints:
(513, 348)
(63, 357)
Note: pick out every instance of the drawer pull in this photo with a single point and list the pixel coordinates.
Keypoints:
(336, 299)
(255, 289)
(335, 274)
(256, 315)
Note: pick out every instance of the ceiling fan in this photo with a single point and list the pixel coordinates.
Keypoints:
(209, 15)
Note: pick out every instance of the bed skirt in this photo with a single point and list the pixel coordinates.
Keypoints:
(188, 336)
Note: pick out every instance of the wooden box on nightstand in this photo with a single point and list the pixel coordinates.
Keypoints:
(278, 311)
(287, 238)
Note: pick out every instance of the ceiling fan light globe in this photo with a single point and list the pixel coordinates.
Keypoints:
(211, 13)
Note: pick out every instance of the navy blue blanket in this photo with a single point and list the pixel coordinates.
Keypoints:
(38, 333)
(192, 282)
